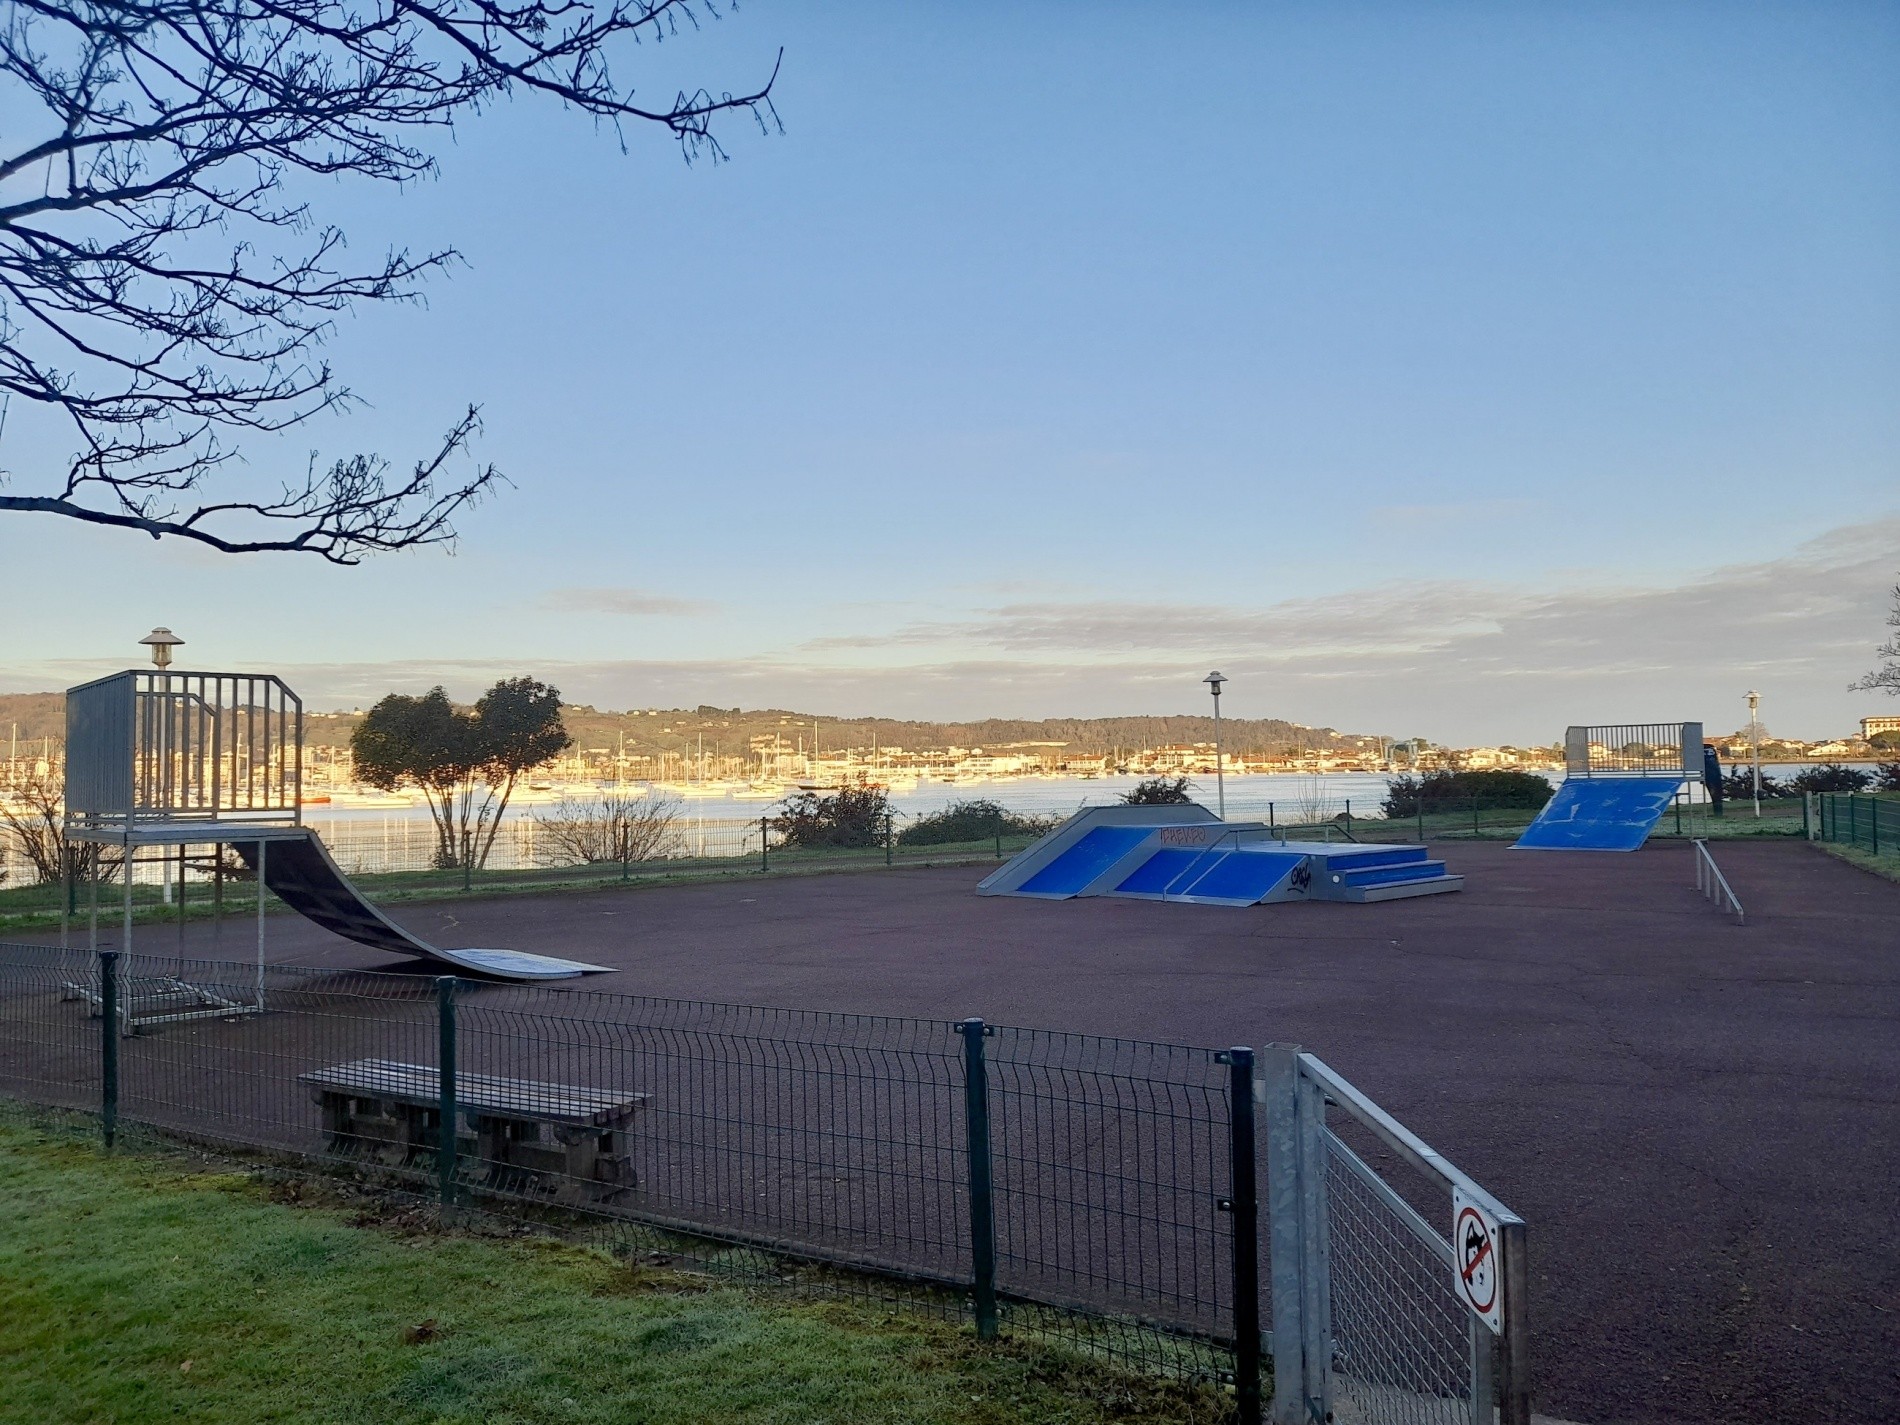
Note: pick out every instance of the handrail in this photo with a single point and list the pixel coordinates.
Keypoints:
(1713, 884)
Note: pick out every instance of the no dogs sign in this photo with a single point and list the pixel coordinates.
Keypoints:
(1474, 1256)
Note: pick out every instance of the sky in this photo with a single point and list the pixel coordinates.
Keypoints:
(1459, 371)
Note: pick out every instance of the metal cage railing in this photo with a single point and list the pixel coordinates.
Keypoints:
(148, 745)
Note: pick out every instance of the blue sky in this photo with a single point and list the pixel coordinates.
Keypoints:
(1449, 370)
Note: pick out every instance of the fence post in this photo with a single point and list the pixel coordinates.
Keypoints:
(445, 1104)
(1807, 815)
(626, 849)
(468, 865)
(890, 823)
(976, 1117)
(1246, 1214)
(1853, 820)
(1281, 1062)
(109, 1045)
(1419, 806)
(1348, 816)
(1316, 1278)
(999, 846)
(1270, 825)
(1514, 1375)
(765, 846)
(1474, 818)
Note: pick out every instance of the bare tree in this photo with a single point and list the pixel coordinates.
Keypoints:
(1887, 675)
(164, 292)
(33, 820)
(614, 826)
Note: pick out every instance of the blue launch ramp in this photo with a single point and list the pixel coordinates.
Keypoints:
(1089, 845)
(1184, 853)
(1600, 814)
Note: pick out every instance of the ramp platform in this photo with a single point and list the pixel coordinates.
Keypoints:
(1600, 814)
(299, 872)
(1185, 853)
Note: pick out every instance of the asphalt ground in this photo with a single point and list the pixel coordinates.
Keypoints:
(1700, 1121)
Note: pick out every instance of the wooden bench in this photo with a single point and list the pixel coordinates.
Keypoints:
(515, 1135)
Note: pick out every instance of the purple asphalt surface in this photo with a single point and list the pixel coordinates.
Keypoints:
(1699, 1121)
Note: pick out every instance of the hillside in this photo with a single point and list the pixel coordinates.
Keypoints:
(731, 730)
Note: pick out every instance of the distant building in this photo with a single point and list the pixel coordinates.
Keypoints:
(1871, 727)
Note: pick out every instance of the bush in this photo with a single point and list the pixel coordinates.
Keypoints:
(971, 821)
(850, 816)
(1738, 785)
(1443, 791)
(1887, 777)
(614, 826)
(1830, 777)
(1158, 792)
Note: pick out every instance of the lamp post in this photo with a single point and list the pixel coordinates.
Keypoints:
(1754, 744)
(161, 641)
(1213, 681)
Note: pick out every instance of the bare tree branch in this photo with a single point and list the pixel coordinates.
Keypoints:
(160, 289)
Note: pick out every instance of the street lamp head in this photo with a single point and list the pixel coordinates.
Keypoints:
(1214, 680)
(161, 641)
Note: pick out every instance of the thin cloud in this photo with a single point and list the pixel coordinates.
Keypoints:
(633, 603)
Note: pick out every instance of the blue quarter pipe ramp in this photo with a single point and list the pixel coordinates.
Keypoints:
(1600, 814)
(300, 873)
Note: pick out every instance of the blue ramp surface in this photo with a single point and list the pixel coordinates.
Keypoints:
(1075, 868)
(1600, 814)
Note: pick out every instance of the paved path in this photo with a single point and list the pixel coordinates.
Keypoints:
(1699, 1121)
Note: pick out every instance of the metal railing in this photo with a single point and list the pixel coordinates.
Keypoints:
(1375, 1313)
(145, 745)
(1713, 884)
(1653, 749)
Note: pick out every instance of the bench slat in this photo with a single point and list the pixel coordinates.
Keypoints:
(477, 1093)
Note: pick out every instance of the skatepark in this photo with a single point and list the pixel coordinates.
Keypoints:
(1695, 1116)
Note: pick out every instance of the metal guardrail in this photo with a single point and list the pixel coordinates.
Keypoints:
(1634, 749)
(1714, 885)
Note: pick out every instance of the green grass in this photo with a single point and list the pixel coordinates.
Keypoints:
(1886, 864)
(37, 907)
(140, 1287)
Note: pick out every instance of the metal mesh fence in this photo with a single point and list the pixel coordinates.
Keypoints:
(725, 1134)
(1401, 1338)
(1869, 822)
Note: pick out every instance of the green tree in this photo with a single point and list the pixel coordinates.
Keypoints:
(851, 816)
(464, 761)
(1158, 792)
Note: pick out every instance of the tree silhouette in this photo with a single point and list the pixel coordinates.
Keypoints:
(1887, 675)
(165, 292)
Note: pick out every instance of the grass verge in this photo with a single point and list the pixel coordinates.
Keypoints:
(139, 1287)
(1887, 866)
(37, 907)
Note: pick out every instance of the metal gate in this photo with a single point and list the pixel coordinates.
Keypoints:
(1373, 1314)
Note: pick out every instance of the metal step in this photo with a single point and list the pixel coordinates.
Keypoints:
(1400, 890)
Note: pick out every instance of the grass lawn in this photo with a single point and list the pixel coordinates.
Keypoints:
(147, 1287)
(37, 907)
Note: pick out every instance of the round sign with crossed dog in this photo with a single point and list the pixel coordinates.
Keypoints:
(1474, 1246)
